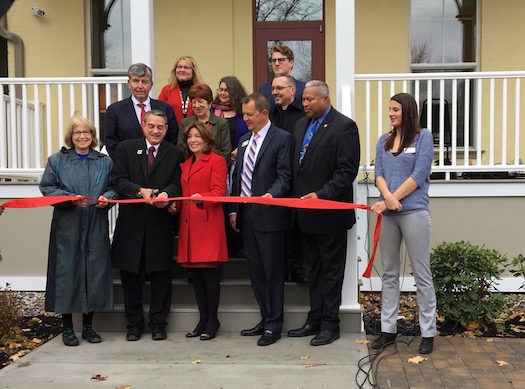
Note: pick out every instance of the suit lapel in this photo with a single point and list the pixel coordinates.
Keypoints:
(132, 116)
(319, 135)
(267, 139)
(142, 156)
(198, 164)
(161, 154)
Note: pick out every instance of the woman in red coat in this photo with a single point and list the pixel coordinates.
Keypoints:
(184, 74)
(202, 235)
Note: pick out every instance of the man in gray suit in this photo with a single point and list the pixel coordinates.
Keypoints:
(263, 168)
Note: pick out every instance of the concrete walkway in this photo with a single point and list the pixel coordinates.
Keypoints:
(228, 362)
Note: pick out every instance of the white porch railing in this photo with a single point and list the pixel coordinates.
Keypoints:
(35, 113)
(476, 118)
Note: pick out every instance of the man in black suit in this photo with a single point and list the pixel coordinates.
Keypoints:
(285, 114)
(325, 164)
(123, 118)
(282, 61)
(143, 240)
(263, 168)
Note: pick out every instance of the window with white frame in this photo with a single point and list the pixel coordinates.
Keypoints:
(110, 47)
(443, 39)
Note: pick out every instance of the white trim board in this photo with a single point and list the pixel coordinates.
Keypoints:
(507, 284)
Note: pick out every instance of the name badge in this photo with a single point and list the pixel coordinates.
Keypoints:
(244, 144)
(410, 150)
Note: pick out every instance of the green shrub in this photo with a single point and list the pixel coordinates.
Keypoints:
(9, 309)
(464, 279)
(519, 268)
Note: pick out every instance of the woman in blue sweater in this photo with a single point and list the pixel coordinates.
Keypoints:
(402, 176)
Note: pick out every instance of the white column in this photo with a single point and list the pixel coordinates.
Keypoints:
(344, 71)
(142, 33)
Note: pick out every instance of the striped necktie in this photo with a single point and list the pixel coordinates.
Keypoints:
(151, 157)
(247, 171)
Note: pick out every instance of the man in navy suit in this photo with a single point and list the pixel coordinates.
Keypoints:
(123, 118)
(325, 164)
(282, 60)
(263, 168)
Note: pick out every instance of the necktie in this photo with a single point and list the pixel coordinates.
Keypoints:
(142, 112)
(151, 157)
(309, 134)
(247, 171)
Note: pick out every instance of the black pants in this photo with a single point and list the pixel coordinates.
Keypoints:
(326, 259)
(160, 301)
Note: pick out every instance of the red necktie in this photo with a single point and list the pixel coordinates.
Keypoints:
(142, 112)
(151, 157)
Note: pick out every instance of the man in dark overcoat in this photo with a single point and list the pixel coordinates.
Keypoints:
(143, 241)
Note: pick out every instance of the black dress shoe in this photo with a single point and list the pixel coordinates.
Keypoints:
(134, 333)
(268, 338)
(426, 346)
(158, 333)
(194, 334)
(324, 337)
(306, 330)
(384, 339)
(255, 331)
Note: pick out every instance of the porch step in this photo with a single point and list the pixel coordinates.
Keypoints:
(232, 292)
(238, 308)
(233, 318)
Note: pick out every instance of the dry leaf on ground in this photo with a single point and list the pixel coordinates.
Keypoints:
(303, 357)
(311, 365)
(98, 378)
(418, 359)
(126, 386)
(197, 362)
(501, 363)
(362, 341)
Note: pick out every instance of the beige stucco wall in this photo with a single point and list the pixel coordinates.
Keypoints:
(219, 37)
(55, 45)
(502, 32)
(24, 237)
(489, 222)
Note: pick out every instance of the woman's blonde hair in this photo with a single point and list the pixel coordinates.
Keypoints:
(197, 78)
(76, 122)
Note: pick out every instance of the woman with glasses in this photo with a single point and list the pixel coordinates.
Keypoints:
(201, 98)
(184, 74)
(79, 262)
(227, 105)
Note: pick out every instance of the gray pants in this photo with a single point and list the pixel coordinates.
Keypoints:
(414, 229)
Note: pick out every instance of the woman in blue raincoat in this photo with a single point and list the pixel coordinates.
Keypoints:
(79, 262)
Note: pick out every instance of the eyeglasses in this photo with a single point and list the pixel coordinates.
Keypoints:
(83, 132)
(280, 88)
(182, 67)
(280, 60)
(222, 90)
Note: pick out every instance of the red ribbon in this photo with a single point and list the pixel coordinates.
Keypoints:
(33, 202)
